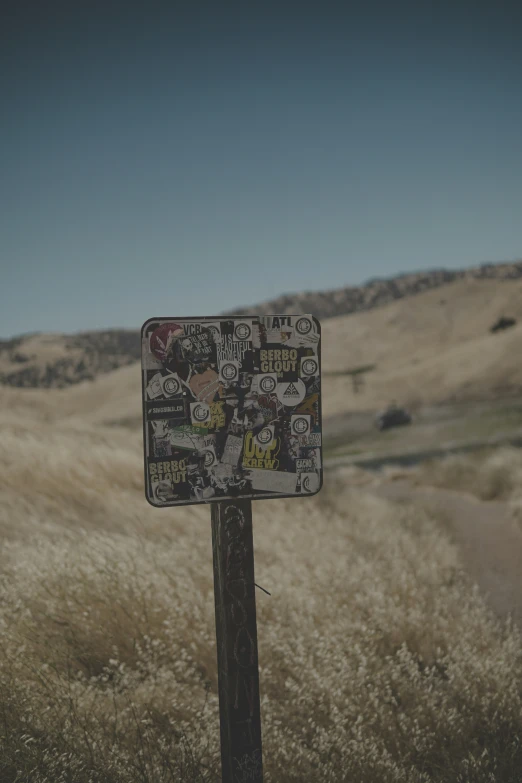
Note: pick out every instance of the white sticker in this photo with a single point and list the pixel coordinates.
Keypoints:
(200, 413)
(228, 371)
(291, 393)
(154, 388)
(208, 441)
(214, 328)
(265, 437)
(161, 428)
(210, 458)
(256, 336)
(184, 438)
(310, 463)
(242, 330)
(309, 482)
(304, 332)
(277, 322)
(162, 492)
(309, 367)
(273, 481)
(308, 340)
(232, 450)
(282, 335)
(300, 424)
(304, 325)
(221, 471)
(264, 383)
(313, 439)
(171, 385)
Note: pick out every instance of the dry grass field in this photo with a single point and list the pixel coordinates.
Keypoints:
(490, 474)
(379, 660)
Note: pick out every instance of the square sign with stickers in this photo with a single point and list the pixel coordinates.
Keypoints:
(231, 408)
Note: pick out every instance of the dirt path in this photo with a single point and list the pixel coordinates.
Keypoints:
(490, 546)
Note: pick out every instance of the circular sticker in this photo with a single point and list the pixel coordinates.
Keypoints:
(171, 385)
(200, 412)
(163, 492)
(265, 436)
(267, 384)
(242, 331)
(309, 366)
(162, 338)
(291, 393)
(229, 371)
(309, 482)
(303, 325)
(300, 425)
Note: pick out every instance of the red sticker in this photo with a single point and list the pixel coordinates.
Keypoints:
(162, 338)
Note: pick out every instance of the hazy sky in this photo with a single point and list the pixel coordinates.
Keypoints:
(182, 158)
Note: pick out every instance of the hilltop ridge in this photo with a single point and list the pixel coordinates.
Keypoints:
(379, 291)
(57, 360)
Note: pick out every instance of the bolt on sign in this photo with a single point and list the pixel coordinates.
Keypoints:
(231, 408)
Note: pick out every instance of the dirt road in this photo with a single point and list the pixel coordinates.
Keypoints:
(490, 545)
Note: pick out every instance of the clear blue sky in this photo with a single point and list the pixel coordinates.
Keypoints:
(182, 158)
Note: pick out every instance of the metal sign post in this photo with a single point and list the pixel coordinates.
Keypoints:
(231, 414)
(236, 634)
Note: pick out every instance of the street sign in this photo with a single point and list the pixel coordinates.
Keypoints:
(231, 408)
(231, 414)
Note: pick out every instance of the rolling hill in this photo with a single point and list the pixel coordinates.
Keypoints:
(58, 361)
(431, 348)
(378, 292)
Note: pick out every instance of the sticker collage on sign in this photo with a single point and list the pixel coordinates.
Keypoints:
(231, 408)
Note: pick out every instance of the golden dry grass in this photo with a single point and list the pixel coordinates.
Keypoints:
(489, 474)
(430, 347)
(378, 659)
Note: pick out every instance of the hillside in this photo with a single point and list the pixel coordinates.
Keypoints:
(57, 361)
(377, 292)
(432, 348)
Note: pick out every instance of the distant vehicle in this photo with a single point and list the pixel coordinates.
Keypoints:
(393, 416)
(502, 323)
